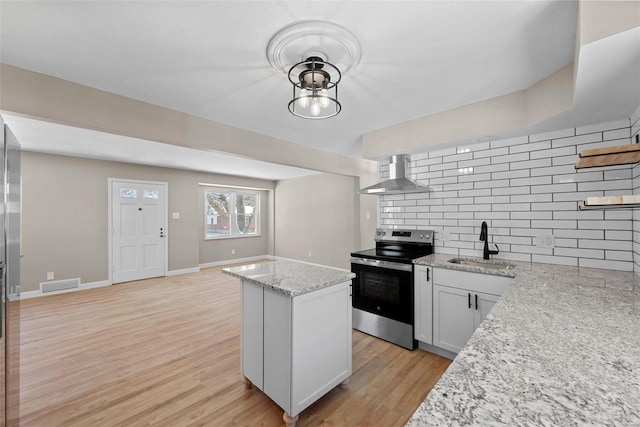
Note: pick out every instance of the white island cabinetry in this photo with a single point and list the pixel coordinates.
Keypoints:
(296, 331)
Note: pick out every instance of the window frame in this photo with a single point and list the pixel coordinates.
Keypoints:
(234, 231)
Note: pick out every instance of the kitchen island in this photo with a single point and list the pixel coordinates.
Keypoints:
(296, 331)
(560, 347)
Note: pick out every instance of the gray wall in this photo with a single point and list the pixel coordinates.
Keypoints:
(64, 217)
(317, 213)
(524, 188)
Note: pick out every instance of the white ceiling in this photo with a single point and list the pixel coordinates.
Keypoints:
(208, 58)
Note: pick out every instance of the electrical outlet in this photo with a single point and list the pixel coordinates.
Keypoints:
(50, 275)
(233, 251)
(368, 215)
(545, 241)
(175, 215)
(309, 254)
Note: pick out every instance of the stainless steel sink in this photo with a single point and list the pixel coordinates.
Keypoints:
(491, 265)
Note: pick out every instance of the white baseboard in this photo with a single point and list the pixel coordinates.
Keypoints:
(82, 287)
(183, 271)
(235, 261)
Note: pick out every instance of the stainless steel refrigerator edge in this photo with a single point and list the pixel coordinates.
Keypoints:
(10, 189)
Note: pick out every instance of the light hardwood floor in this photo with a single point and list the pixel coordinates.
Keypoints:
(166, 352)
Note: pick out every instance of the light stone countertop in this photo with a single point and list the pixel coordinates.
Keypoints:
(560, 348)
(289, 277)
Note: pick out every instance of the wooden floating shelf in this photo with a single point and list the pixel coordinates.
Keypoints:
(609, 156)
(610, 202)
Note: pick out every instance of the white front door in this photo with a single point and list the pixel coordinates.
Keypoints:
(139, 230)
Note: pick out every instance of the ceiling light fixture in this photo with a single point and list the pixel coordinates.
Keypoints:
(314, 79)
(315, 89)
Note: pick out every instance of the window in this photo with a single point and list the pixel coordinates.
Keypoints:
(231, 214)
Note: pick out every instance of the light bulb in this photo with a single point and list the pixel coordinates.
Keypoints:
(315, 108)
(324, 98)
(304, 100)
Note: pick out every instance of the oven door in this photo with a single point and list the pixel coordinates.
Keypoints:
(383, 288)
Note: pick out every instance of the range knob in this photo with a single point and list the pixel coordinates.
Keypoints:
(422, 236)
(378, 233)
(384, 233)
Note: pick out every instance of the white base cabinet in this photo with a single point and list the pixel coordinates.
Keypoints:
(296, 349)
(423, 301)
(461, 301)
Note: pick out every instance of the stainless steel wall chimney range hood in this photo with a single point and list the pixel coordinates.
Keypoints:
(399, 182)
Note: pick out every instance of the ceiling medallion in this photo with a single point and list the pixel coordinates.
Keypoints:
(315, 55)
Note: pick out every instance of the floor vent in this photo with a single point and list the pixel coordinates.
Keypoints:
(59, 285)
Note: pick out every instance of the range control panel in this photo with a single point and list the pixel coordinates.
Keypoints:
(393, 235)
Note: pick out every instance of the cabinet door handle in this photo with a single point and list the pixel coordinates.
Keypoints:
(476, 301)
(469, 299)
(428, 274)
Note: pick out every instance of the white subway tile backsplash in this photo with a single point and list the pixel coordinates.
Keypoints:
(559, 260)
(474, 177)
(442, 152)
(576, 214)
(580, 234)
(490, 153)
(491, 184)
(555, 152)
(511, 141)
(474, 163)
(511, 174)
(617, 235)
(616, 124)
(532, 146)
(612, 265)
(605, 225)
(520, 198)
(618, 184)
(524, 187)
(619, 174)
(619, 255)
(616, 245)
(509, 158)
(511, 207)
(491, 168)
(552, 135)
(566, 243)
(578, 177)
(532, 215)
(617, 134)
(554, 206)
(536, 180)
(577, 140)
(511, 190)
(491, 199)
(565, 169)
(563, 197)
(579, 253)
(531, 164)
(569, 224)
(554, 188)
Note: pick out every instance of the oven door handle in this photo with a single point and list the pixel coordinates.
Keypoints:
(382, 264)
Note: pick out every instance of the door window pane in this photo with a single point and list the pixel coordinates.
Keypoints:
(150, 194)
(128, 193)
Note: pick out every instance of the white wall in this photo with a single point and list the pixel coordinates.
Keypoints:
(524, 188)
(317, 214)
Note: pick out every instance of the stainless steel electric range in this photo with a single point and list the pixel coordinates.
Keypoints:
(382, 291)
